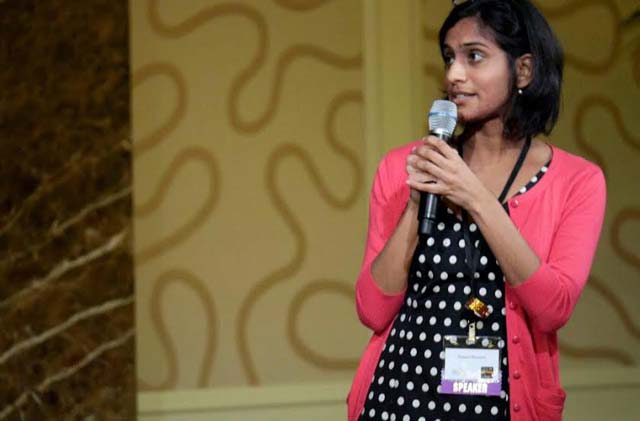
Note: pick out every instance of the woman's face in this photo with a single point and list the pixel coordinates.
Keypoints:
(477, 73)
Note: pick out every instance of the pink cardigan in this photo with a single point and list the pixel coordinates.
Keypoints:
(561, 218)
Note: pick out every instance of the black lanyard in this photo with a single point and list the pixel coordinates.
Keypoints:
(471, 261)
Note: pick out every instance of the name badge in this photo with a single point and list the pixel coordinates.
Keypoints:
(471, 367)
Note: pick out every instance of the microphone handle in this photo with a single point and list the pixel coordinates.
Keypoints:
(429, 205)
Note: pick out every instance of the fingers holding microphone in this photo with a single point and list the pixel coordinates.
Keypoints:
(425, 165)
(436, 167)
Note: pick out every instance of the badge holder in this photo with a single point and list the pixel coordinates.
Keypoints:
(471, 365)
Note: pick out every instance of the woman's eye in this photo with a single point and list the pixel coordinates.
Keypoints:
(448, 60)
(475, 56)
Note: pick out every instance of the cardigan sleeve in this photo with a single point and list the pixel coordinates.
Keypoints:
(551, 293)
(375, 308)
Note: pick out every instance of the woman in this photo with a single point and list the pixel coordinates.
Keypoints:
(517, 229)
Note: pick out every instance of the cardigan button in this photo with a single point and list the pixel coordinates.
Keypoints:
(515, 203)
(516, 407)
(515, 339)
(512, 305)
(516, 375)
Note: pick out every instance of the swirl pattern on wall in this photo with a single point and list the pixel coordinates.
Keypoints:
(175, 238)
(585, 65)
(284, 61)
(204, 16)
(170, 71)
(191, 281)
(183, 233)
(306, 352)
(289, 59)
(289, 270)
(581, 114)
(301, 5)
(187, 155)
(622, 218)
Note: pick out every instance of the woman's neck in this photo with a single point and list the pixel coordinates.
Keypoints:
(487, 146)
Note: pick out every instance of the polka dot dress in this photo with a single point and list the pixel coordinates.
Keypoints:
(406, 382)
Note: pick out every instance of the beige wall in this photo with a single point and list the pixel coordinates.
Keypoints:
(257, 126)
(250, 191)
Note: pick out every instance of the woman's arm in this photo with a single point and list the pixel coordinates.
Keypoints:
(551, 293)
(391, 240)
(391, 268)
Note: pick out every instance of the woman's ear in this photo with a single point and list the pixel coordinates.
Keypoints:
(524, 70)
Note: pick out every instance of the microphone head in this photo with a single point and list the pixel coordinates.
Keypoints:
(443, 117)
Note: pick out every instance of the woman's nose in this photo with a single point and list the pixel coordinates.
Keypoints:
(455, 72)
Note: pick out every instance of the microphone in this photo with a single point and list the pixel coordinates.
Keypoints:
(442, 122)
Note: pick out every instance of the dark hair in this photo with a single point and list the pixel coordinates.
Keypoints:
(519, 28)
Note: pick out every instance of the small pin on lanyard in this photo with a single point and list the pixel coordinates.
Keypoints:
(471, 339)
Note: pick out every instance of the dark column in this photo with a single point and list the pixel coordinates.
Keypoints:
(66, 272)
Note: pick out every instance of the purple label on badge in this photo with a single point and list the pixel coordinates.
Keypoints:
(466, 387)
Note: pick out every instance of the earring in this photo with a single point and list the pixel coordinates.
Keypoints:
(519, 91)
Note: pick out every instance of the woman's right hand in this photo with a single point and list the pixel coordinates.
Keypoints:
(416, 174)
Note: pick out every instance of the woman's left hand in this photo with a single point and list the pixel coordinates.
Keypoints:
(448, 174)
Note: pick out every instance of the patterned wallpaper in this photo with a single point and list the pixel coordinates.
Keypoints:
(249, 190)
(250, 193)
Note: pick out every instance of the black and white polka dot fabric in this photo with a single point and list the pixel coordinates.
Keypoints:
(406, 382)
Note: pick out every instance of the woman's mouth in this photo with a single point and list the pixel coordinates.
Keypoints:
(460, 97)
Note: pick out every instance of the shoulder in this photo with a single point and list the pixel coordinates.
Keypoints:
(576, 172)
(569, 164)
(392, 173)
